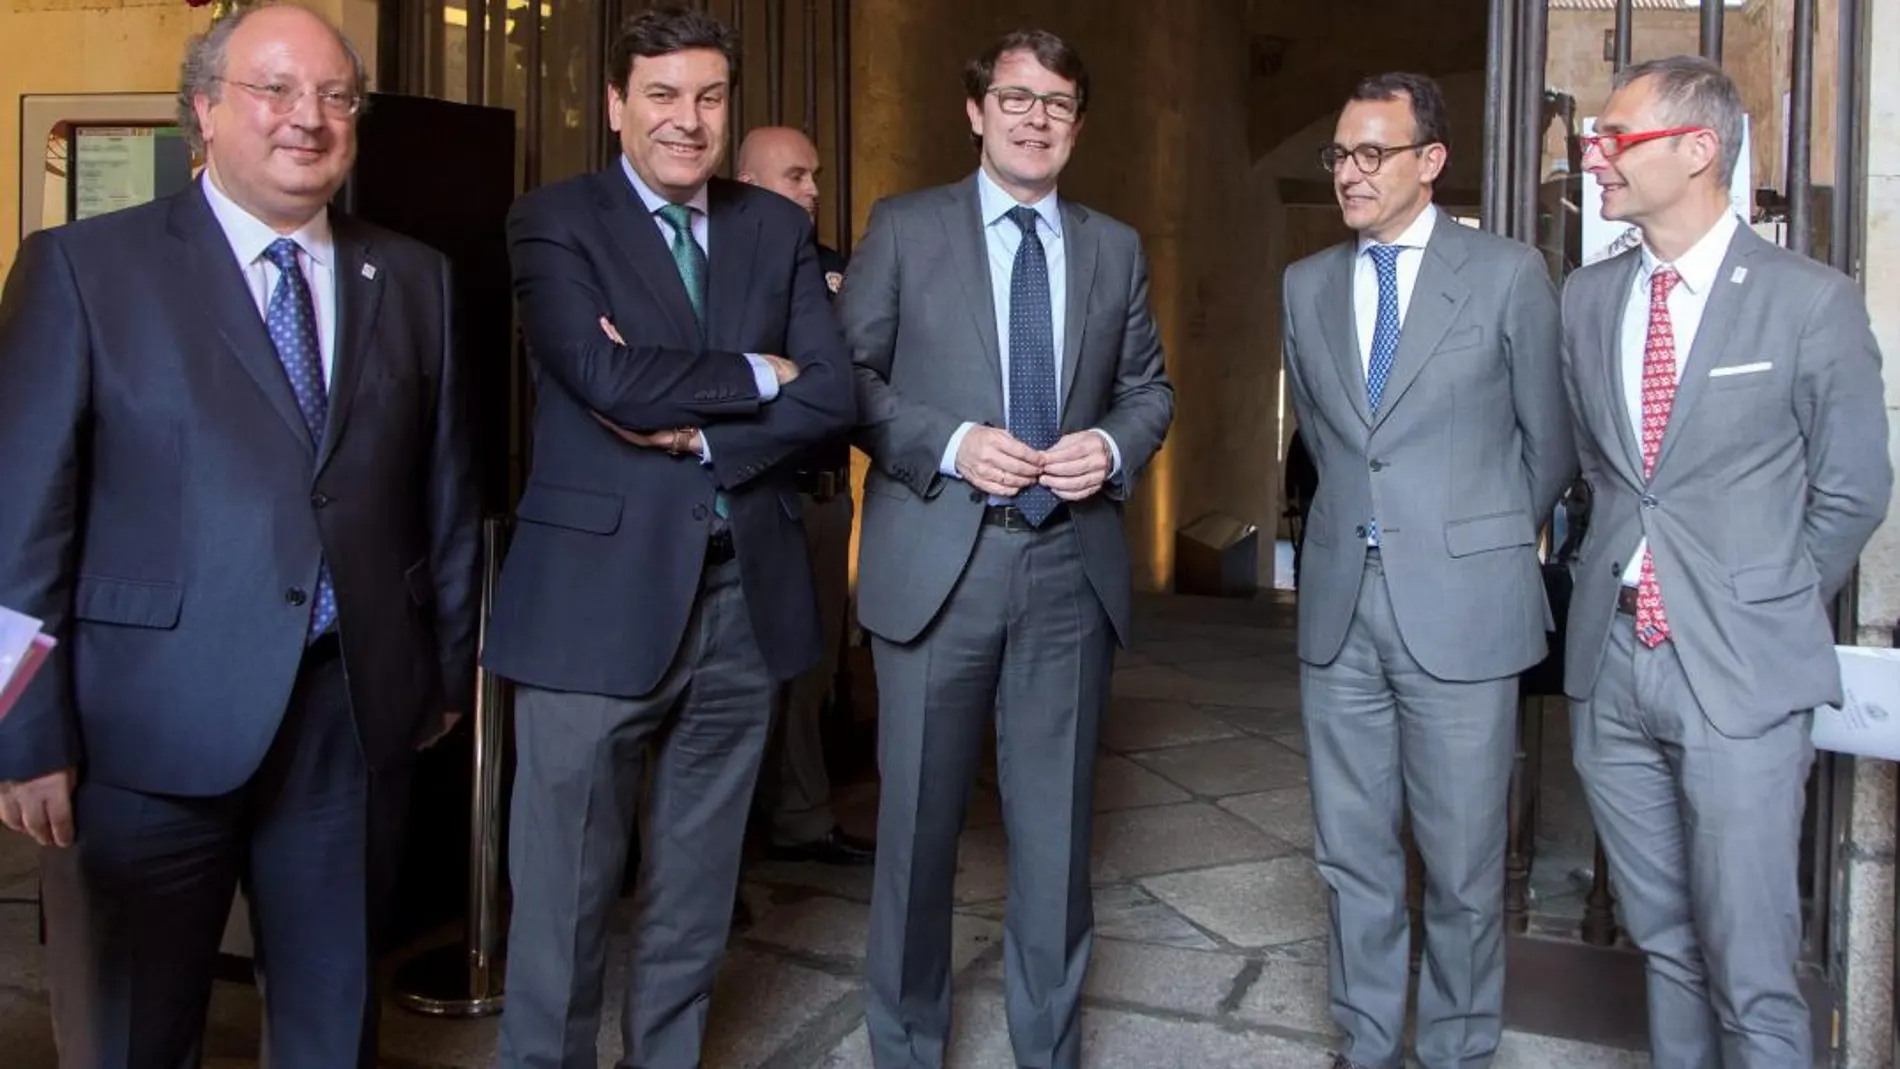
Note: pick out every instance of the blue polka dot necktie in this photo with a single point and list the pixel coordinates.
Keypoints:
(1385, 336)
(1032, 360)
(291, 320)
(690, 260)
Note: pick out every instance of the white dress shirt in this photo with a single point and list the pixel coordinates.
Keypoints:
(1001, 238)
(250, 236)
(1687, 299)
(1365, 279)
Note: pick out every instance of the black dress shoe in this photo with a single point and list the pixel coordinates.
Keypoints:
(836, 847)
(1340, 1061)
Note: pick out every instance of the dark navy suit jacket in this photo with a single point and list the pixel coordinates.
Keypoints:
(606, 559)
(164, 510)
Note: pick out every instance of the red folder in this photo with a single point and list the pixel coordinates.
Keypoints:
(30, 662)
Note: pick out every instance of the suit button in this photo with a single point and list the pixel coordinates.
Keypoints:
(319, 500)
(699, 512)
(1378, 465)
(1649, 501)
(1616, 569)
(294, 596)
(1359, 531)
(976, 495)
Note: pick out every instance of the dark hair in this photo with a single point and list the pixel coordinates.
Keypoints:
(1431, 120)
(665, 30)
(1051, 51)
(1695, 92)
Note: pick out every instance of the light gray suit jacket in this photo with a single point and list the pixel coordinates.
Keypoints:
(1769, 482)
(918, 314)
(1461, 467)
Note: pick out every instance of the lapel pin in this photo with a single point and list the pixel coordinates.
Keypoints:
(369, 272)
(1741, 274)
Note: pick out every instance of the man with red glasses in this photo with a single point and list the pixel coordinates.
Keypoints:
(1729, 414)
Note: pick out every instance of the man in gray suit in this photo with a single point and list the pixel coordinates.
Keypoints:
(1729, 414)
(1010, 386)
(1424, 367)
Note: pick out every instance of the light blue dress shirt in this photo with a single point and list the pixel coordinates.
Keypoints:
(1001, 238)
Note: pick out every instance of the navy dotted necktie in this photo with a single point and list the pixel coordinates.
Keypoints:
(1385, 330)
(291, 320)
(1032, 360)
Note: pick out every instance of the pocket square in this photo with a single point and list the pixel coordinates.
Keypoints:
(1740, 369)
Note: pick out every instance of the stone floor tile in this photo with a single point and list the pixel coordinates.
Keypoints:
(1122, 784)
(1133, 724)
(1230, 766)
(1252, 905)
(1295, 741)
(1270, 721)
(1289, 994)
(1170, 683)
(1190, 982)
(1113, 1039)
(1139, 842)
(1125, 911)
(1520, 1050)
(834, 930)
(1285, 814)
(844, 881)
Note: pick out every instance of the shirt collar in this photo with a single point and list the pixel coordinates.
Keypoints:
(1700, 264)
(1416, 236)
(995, 204)
(653, 201)
(250, 236)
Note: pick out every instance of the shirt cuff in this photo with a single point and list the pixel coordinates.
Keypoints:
(948, 465)
(705, 448)
(1114, 452)
(763, 376)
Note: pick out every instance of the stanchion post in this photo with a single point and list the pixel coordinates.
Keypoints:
(465, 979)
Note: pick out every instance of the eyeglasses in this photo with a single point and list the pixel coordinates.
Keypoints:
(1369, 158)
(1613, 145)
(283, 99)
(1015, 100)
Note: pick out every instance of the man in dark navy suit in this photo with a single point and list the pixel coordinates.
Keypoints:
(796, 791)
(657, 592)
(237, 489)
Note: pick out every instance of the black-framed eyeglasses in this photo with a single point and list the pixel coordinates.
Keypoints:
(1015, 100)
(281, 99)
(1369, 158)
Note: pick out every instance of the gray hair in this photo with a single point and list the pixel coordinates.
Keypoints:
(202, 73)
(1695, 91)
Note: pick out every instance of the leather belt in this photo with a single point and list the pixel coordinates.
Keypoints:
(822, 486)
(1010, 518)
(719, 548)
(1626, 600)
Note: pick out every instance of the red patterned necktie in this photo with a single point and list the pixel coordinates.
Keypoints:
(1659, 396)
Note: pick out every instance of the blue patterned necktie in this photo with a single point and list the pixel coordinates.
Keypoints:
(1385, 338)
(690, 260)
(1032, 360)
(291, 320)
(1385, 331)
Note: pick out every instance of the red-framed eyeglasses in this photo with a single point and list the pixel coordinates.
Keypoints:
(1613, 145)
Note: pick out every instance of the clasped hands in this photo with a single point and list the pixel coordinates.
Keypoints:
(994, 461)
(678, 440)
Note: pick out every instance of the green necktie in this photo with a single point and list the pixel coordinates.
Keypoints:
(687, 256)
(691, 262)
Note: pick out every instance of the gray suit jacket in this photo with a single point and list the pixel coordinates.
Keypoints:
(1462, 465)
(1768, 484)
(917, 312)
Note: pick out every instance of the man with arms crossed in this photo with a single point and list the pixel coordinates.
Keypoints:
(657, 591)
(1727, 397)
(238, 491)
(1011, 385)
(1425, 374)
(796, 793)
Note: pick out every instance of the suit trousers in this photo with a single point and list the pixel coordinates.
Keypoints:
(1021, 644)
(1384, 737)
(1703, 834)
(136, 907)
(579, 769)
(796, 790)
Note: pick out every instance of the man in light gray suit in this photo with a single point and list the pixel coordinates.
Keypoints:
(1729, 415)
(1010, 385)
(1424, 367)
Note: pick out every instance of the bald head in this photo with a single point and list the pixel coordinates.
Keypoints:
(783, 160)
